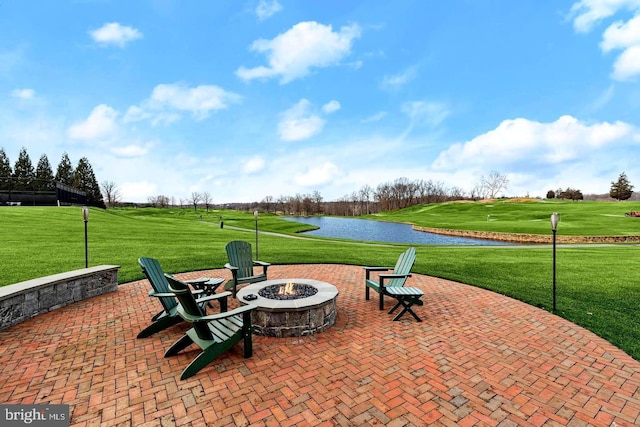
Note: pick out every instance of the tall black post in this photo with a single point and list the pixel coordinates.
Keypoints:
(85, 217)
(554, 227)
(255, 215)
(86, 247)
(554, 271)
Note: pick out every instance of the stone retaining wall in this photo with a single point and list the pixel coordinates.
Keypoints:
(24, 300)
(529, 238)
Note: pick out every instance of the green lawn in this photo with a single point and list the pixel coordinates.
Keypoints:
(597, 286)
(577, 218)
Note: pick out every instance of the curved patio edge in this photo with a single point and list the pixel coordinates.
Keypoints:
(477, 359)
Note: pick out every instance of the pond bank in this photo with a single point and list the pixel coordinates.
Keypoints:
(528, 238)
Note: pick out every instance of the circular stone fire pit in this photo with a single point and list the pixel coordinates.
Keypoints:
(313, 311)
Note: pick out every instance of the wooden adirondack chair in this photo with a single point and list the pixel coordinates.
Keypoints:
(401, 272)
(169, 315)
(241, 264)
(214, 334)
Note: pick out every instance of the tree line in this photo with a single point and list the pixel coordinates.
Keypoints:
(24, 177)
(387, 196)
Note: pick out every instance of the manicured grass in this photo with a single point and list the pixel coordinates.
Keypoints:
(597, 286)
(577, 218)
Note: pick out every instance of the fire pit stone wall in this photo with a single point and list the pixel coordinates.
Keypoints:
(293, 317)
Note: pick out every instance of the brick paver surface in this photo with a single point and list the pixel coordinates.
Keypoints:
(477, 359)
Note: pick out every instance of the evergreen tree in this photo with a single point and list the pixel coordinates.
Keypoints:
(5, 170)
(23, 172)
(621, 189)
(64, 174)
(44, 175)
(84, 179)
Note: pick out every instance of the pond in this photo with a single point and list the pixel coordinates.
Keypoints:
(380, 231)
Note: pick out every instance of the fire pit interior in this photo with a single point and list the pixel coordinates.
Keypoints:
(289, 290)
(290, 307)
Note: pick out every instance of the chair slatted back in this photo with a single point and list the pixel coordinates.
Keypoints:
(189, 307)
(239, 253)
(403, 266)
(151, 268)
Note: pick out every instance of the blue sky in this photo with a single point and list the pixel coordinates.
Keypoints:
(248, 99)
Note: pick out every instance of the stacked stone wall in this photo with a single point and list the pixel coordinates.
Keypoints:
(24, 300)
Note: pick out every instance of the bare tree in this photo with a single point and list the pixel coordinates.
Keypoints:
(111, 193)
(159, 201)
(267, 203)
(195, 199)
(206, 199)
(365, 197)
(317, 201)
(494, 183)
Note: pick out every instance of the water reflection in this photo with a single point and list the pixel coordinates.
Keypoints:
(379, 231)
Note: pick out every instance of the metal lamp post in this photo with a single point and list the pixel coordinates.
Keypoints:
(554, 228)
(85, 217)
(255, 215)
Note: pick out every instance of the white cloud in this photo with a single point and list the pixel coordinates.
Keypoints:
(621, 35)
(299, 122)
(131, 150)
(627, 65)
(587, 13)
(375, 117)
(423, 113)
(167, 101)
(253, 165)
(625, 36)
(267, 8)
(23, 93)
(331, 107)
(292, 55)
(395, 81)
(522, 141)
(101, 123)
(317, 175)
(115, 34)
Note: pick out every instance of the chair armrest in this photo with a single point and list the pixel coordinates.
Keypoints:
(262, 263)
(368, 270)
(230, 267)
(226, 314)
(395, 276)
(219, 295)
(161, 294)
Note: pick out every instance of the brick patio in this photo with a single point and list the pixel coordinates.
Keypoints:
(477, 359)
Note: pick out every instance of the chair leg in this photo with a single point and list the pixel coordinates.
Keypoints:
(366, 293)
(395, 307)
(406, 304)
(159, 325)
(202, 360)
(381, 298)
(247, 331)
(184, 342)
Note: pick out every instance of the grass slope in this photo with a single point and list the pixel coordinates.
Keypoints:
(583, 218)
(598, 286)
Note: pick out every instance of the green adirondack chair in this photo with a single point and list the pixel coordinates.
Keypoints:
(241, 264)
(214, 334)
(398, 277)
(169, 314)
